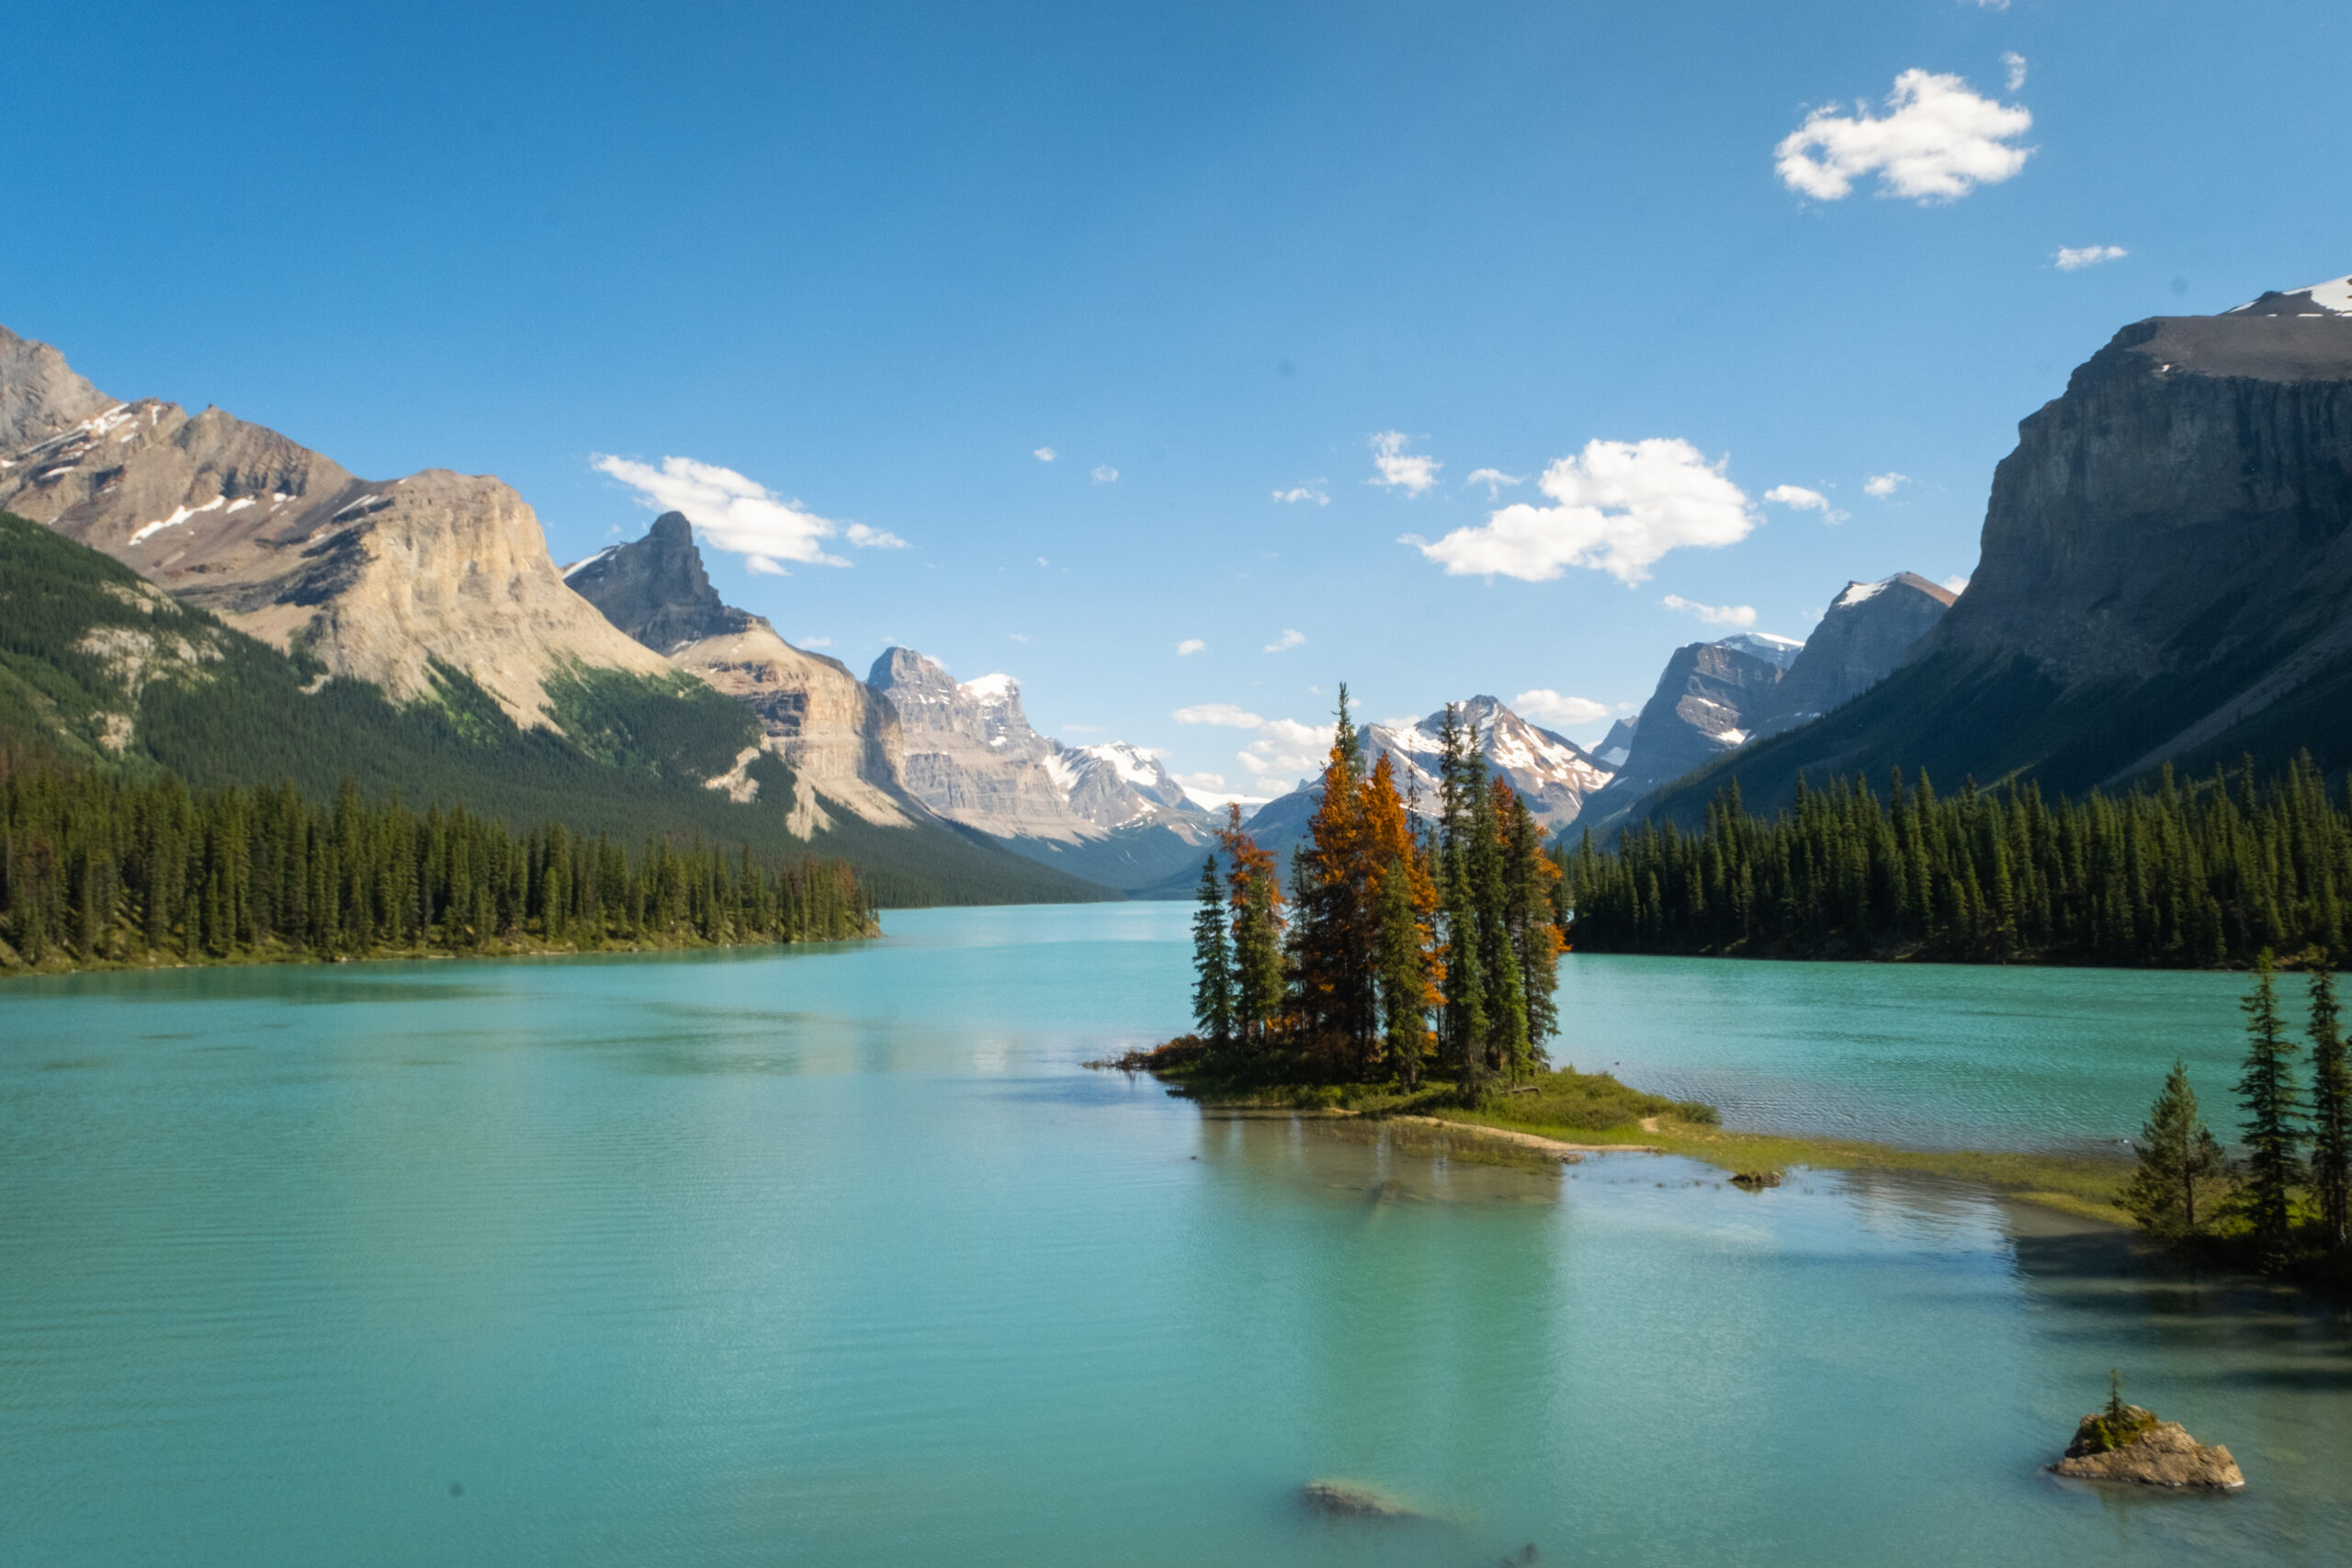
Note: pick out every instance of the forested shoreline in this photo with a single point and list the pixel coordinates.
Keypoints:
(2181, 876)
(100, 871)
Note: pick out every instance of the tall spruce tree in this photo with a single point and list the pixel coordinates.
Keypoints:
(1212, 961)
(2330, 1110)
(2182, 1169)
(1256, 900)
(1505, 1002)
(2272, 1107)
(1464, 990)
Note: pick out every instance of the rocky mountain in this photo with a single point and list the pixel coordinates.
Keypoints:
(1615, 746)
(839, 738)
(1552, 773)
(1712, 696)
(1114, 785)
(389, 581)
(971, 754)
(1863, 637)
(2166, 576)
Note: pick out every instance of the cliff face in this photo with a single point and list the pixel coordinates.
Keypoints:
(656, 590)
(1711, 698)
(40, 394)
(378, 580)
(1867, 631)
(2166, 575)
(841, 741)
(972, 755)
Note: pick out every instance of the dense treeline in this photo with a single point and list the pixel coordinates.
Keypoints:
(2195, 877)
(1401, 951)
(95, 869)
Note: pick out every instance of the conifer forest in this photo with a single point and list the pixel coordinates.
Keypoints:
(2203, 875)
(1401, 951)
(97, 870)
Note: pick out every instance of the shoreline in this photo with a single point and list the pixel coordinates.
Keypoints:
(14, 967)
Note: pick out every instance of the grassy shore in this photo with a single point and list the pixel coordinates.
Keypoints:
(1595, 1109)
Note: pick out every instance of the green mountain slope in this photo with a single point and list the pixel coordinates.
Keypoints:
(103, 669)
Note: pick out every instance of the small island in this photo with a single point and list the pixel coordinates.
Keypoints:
(2128, 1443)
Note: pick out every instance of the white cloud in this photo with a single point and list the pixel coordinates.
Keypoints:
(2014, 61)
(1552, 707)
(1620, 506)
(1494, 479)
(1399, 470)
(1957, 583)
(1992, 5)
(1712, 614)
(1015, 637)
(1045, 453)
(1303, 492)
(1286, 749)
(1208, 790)
(1938, 141)
(1881, 486)
(2072, 260)
(1797, 497)
(816, 642)
(1105, 474)
(739, 515)
(1224, 714)
(1190, 645)
(1288, 641)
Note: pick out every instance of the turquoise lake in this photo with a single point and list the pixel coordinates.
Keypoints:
(839, 1255)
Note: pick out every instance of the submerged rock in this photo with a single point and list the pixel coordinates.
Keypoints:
(2130, 1444)
(1346, 1500)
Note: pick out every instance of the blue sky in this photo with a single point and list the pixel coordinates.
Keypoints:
(852, 267)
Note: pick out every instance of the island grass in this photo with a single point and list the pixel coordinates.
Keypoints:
(1571, 1107)
(2071, 1184)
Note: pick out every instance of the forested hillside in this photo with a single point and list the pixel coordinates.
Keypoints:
(2181, 876)
(101, 668)
(96, 870)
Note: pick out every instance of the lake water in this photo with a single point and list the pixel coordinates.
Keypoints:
(838, 1257)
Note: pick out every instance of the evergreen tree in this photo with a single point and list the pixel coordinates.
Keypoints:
(1255, 897)
(1212, 961)
(1507, 1048)
(2266, 1094)
(1405, 993)
(2330, 1110)
(1464, 991)
(2181, 1166)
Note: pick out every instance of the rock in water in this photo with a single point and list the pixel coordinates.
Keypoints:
(1753, 1180)
(2133, 1446)
(1345, 1500)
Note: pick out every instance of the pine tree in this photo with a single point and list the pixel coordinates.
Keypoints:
(2266, 1094)
(2330, 1110)
(1212, 961)
(1465, 1014)
(2181, 1166)
(1255, 897)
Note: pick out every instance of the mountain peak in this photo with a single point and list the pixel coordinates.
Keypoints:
(2330, 298)
(1767, 646)
(655, 589)
(40, 394)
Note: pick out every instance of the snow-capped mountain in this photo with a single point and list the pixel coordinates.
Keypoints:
(973, 756)
(1552, 773)
(1114, 785)
(1772, 649)
(2333, 298)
